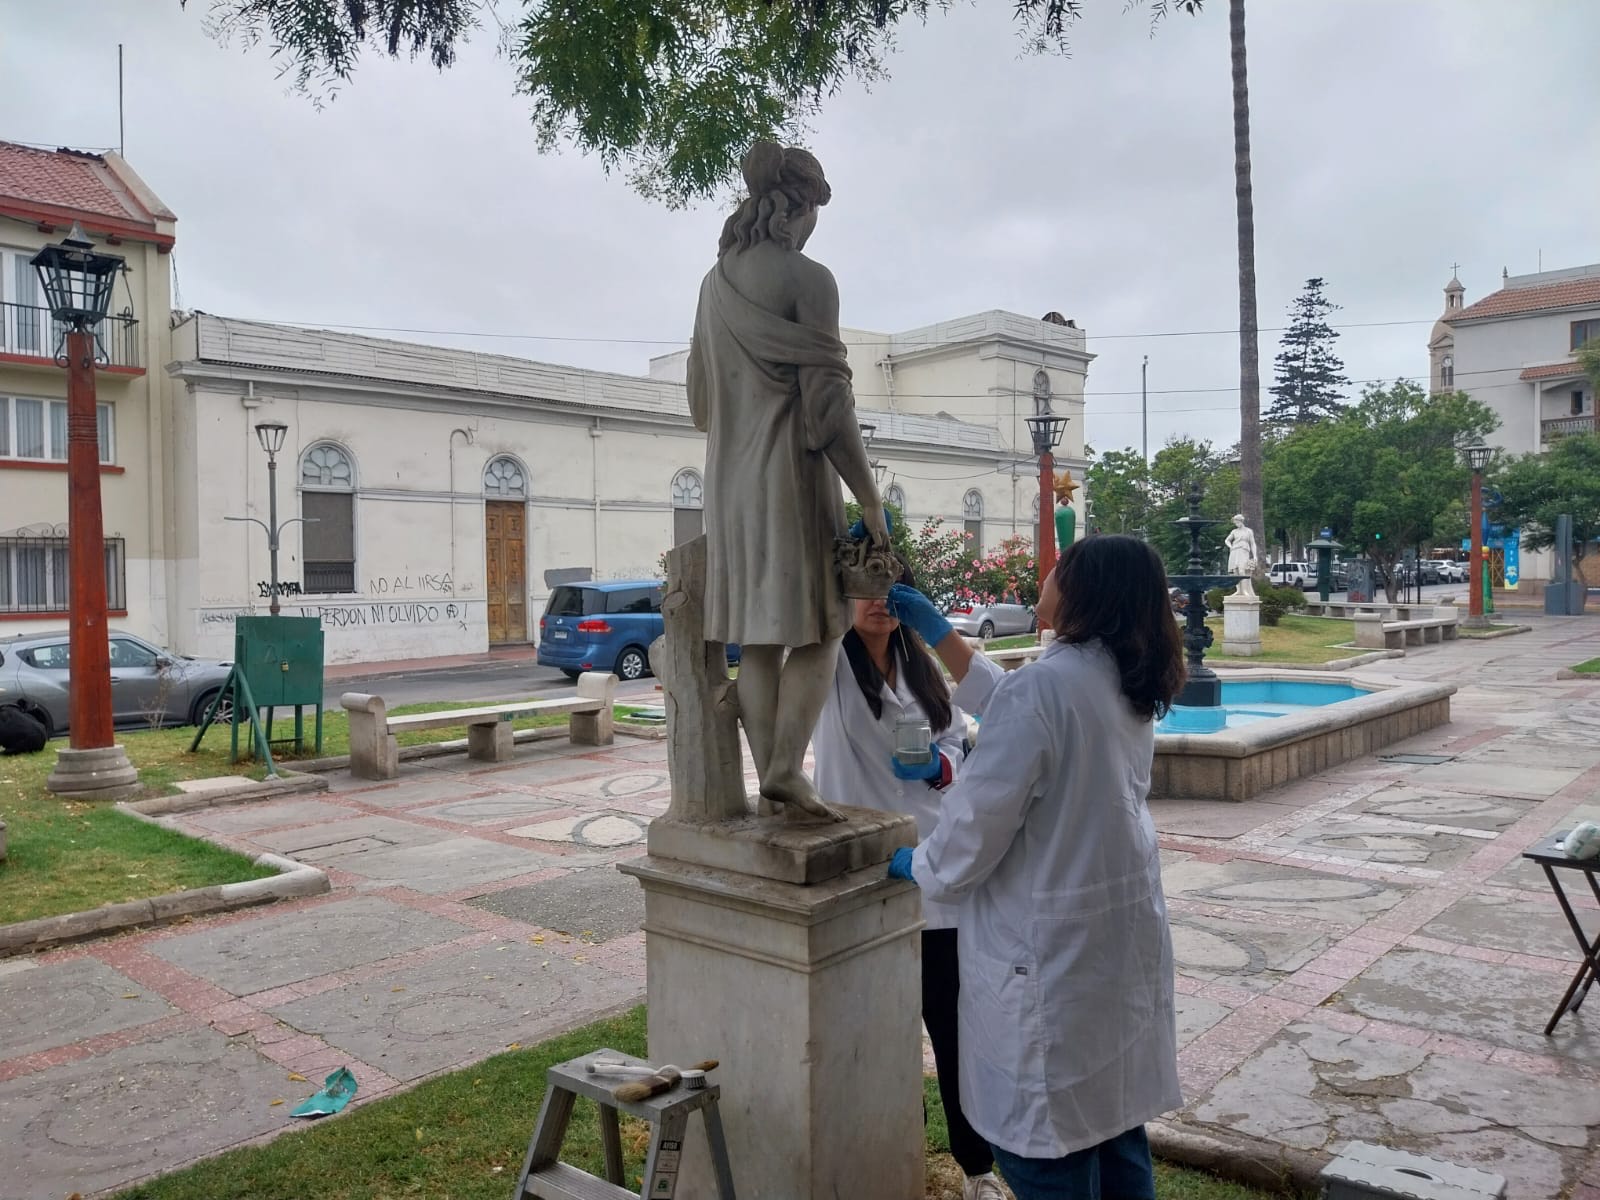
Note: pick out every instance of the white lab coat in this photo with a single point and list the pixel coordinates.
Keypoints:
(1067, 1022)
(853, 750)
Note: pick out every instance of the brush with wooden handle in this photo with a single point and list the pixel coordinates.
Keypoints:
(663, 1080)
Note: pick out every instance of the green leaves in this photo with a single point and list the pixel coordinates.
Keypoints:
(672, 92)
(1535, 489)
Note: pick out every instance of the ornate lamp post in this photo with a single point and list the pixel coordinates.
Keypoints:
(271, 434)
(77, 283)
(1477, 455)
(1046, 429)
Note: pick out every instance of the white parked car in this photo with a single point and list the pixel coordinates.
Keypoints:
(1451, 571)
(1293, 574)
(1006, 616)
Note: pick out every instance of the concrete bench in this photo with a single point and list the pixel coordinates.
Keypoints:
(1019, 656)
(375, 752)
(1373, 632)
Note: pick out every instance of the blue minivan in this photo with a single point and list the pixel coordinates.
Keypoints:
(604, 627)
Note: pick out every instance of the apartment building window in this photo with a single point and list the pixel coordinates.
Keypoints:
(327, 502)
(36, 430)
(688, 506)
(33, 574)
(1584, 332)
(25, 326)
(1577, 402)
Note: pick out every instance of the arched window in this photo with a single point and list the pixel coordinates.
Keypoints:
(504, 479)
(972, 520)
(1036, 510)
(327, 502)
(1447, 372)
(688, 506)
(896, 496)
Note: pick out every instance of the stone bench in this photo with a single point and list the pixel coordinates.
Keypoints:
(1019, 656)
(375, 753)
(1373, 632)
(1390, 612)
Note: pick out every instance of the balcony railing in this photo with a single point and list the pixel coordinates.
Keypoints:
(30, 331)
(1566, 426)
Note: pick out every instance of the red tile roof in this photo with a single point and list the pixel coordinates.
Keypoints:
(58, 186)
(1551, 371)
(1566, 293)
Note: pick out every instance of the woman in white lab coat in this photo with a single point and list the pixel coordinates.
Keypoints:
(884, 674)
(1045, 843)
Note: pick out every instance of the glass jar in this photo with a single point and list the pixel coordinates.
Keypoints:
(913, 739)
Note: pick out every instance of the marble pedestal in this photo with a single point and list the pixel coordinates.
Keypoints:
(1241, 626)
(808, 994)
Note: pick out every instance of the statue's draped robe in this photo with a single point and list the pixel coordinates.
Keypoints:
(771, 395)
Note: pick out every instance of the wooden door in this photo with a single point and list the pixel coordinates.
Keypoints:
(505, 570)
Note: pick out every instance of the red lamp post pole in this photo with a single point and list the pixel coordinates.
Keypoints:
(1476, 564)
(89, 681)
(1047, 520)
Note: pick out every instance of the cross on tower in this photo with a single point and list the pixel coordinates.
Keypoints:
(1455, 269)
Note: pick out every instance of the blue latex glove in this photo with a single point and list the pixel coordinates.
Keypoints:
(900, 865)
(929, 771)
(859, 529)
(912, 608)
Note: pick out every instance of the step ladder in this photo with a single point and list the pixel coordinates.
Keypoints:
(545, 1177)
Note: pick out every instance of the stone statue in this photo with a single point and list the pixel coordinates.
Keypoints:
(1241, 544)
(769, 383)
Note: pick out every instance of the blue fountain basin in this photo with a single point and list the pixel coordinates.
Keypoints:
(1245, 702)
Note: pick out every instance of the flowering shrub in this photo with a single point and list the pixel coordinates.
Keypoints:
(1009, 569)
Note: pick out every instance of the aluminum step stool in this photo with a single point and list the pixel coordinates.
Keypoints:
(544, 1176)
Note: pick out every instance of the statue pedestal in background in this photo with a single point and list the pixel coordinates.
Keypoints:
(1241, 625)
(779, 948)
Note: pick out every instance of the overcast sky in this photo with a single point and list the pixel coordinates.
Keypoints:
(1391, 138)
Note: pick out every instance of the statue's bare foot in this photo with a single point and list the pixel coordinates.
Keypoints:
(797, 796)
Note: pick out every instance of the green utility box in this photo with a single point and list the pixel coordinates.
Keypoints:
(277, 663)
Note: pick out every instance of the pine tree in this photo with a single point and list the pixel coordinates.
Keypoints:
(1310, 376)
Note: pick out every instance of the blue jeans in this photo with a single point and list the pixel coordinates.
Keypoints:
(1116, 1169)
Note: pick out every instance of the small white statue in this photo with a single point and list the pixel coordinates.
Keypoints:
(1241, 544)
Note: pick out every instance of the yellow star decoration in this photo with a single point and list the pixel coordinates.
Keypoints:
(1064, 487)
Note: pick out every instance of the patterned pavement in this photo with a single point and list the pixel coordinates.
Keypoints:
(1361, 955)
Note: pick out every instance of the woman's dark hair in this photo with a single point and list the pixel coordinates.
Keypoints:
(914, 664)
(1113, 590)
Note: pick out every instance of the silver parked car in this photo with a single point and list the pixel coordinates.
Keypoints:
(1006, 616)
(149, 686)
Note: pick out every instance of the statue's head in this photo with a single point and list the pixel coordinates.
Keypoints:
(1238, 520)
(785, 188)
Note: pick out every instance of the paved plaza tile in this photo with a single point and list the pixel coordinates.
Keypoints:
(283, 948)
(47, 1003)
(457, 1007)
(596, 905)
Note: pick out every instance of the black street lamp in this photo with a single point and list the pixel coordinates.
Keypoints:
(271, 435)
(77, 283)
(1046, 430)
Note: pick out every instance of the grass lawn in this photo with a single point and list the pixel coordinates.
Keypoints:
(462, 1136)
(1297, 639)
(1592, 667)
(68, 856)
(1012, 643)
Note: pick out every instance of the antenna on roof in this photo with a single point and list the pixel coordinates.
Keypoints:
(121, 143)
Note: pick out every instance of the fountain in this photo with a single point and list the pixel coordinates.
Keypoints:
(1264, 728)
(1198, 708)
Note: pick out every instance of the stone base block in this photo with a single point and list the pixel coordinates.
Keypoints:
(776, 848)
(810, 999)
(491, 742)
(103, 773)
(1241, 626)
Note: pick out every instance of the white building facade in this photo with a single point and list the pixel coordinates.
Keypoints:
(1514, 351)
(433, 497)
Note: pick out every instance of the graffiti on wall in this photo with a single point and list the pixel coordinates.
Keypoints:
(400, 585)
(285, 588)
(413, 614)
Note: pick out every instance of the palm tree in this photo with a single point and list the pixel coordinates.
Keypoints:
(1249, 351)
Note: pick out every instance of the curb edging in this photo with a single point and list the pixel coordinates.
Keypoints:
(294, 880)
(1238, 1159)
